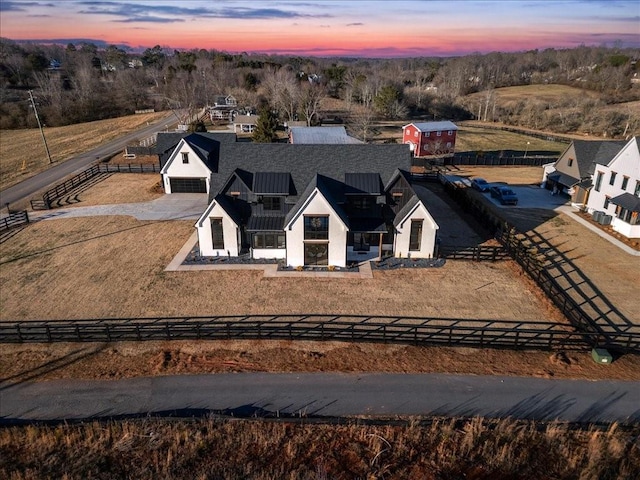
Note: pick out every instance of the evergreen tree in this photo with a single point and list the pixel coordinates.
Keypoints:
(266, 125)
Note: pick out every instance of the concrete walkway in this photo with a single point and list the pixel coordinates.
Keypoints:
(570, 212)
(324, 395)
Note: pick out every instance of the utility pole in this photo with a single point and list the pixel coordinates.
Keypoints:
(35, 110)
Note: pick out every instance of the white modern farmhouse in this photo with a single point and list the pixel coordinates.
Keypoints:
(603, 178)
(306, 204)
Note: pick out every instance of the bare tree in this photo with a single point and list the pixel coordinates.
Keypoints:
(311, 97)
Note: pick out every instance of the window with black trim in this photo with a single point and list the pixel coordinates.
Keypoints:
(625, 182)
(415, 237)
(185, 157)
(217, 234)
(598, 181)
(607, 199)
(271, 203)
(316, 227)
(612, 179)
(637, 190)
(269, 240)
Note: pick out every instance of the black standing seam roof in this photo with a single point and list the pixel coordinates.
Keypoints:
(271, 183)
(628, 201)
(363, 183)
(265, 224)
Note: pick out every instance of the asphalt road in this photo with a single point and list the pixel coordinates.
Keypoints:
(324, 395)
(57, 172)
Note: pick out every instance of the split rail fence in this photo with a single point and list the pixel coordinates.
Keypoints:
(407, 330)
(14, 219)
(66, 187)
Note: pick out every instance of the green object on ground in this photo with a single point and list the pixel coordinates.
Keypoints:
(600, 355)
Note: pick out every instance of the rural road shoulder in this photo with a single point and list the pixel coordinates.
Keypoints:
(324, 395)
(57, 172)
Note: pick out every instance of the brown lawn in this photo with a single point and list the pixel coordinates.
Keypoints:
(96, 267)
(123, 188)
(22, 153)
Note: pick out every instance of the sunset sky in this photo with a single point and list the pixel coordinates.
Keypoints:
(328, 28)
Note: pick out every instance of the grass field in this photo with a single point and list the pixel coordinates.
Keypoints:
(22, 152)
(476, 449)
(544, 93)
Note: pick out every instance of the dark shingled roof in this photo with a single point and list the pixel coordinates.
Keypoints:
(271, 183)
(227, 205)
(411, 203)
(628, 201)
(363, 183)
(331, 190)
(166, 141)
(589, 153)
(303, 162)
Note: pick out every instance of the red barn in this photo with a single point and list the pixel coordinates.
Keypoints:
(430, 138)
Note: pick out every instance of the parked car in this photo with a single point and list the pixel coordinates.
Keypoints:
(480, 184)
(504, 195)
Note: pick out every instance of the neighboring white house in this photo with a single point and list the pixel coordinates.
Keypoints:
(616, 190)
(244, 123)
(314, 205)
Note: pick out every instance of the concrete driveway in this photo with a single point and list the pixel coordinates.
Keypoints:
(176, 206)
(532, 196)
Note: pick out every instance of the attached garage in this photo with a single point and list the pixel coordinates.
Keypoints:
(188, 185)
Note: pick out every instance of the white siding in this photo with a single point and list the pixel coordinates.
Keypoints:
(279, 253)
(626, 163)
(174, 168)
(428, 240)
(317, 205)
(229, 229)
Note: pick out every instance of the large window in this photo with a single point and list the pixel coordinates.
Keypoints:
(316, 228)
(217, 235)
(271, 203)
(316, 253)
(268, 240)
(598, 181)
(361, 203)
(415, 237)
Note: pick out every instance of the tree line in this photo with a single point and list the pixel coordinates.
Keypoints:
(81, 82)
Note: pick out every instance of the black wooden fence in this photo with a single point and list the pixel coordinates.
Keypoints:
(486, 159)
(530, 262)
(407, 330)
(14, 219)
(476, 253)
(74, 182)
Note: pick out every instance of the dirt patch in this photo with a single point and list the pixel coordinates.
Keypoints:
(513, 175)
(129, 359)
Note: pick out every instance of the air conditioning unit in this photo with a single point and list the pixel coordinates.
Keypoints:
(597, 216)
(605, 220)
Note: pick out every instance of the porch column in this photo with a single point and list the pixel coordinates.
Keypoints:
(380, 248)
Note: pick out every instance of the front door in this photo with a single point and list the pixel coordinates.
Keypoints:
(316, 253)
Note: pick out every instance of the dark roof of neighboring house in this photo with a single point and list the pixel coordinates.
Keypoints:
(563, 179)
(367, 183)
(628, 201)
(303, 162)
(589, 153)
